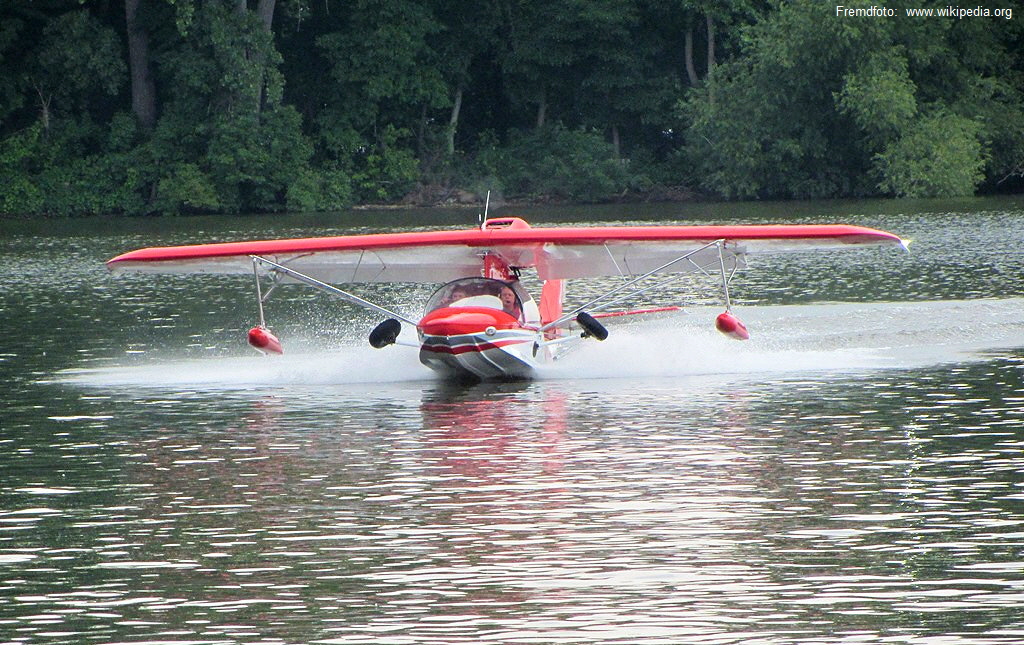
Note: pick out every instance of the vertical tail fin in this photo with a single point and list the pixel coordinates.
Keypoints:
(552, 295)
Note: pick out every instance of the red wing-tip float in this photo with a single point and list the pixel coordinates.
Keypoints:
(481, 322)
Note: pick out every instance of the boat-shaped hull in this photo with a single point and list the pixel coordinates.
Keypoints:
(504, 354)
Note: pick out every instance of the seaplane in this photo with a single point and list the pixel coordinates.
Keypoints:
(481, 323)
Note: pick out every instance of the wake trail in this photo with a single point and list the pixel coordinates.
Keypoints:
(785, 340)
(792, 339)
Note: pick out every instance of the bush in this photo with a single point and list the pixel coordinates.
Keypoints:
(115, 183)
(319, 190)
(387, 171)
(186, 188)
(938, 156)
(555, 162)
(19, 194)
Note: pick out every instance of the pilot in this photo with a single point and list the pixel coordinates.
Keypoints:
(510, 303)
(456, 294)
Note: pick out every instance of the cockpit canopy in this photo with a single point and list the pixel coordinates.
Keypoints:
(486, 292)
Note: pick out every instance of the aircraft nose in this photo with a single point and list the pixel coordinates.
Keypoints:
(455, 321)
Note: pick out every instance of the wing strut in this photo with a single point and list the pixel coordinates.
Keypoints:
(725, 278)
(259, 292)
(261, 338)
(331, 289)
(600, 299)
(726, 322)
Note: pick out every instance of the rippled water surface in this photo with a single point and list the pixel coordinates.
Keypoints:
(853, 474)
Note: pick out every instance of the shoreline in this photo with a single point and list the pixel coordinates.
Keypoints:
(652, 198)
(440, 197)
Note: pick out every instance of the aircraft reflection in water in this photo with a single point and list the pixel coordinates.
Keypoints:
(481, 323)
(482, 434)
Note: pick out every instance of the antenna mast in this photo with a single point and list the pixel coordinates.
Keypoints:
(487, 207)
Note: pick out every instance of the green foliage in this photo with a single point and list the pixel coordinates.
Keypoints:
(319, 190)
(184, 14)
(997, 107)
(186, 188)
(39, 181)
(383, 69)
(247, 161)
(384, 51)
(78, 61)
(249, 149)
(559, 163)
(19, 194)
(744, 99)
(938, 156)
(123, 134)
(385, 172)
(767, 124)
(820, 106)
(223, 63)
(545, 47)
(95, 184)
(10, 98)
(880, 97)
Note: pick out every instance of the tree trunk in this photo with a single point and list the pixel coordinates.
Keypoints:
(711, 62)
(711, 44)
(143, 88)
(542, 110)
(44, 110)
(616, 143)
(454, 121)
(691, 71)
(265, 11)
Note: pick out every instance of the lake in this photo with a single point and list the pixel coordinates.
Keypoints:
(852, 474)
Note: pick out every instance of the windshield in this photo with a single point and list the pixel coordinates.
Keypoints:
(478, 292)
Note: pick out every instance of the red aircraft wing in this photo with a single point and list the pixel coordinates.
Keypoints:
(555, 253)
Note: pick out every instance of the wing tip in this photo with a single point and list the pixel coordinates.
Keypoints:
(115, 264)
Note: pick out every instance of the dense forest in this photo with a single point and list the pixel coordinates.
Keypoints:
(179, 106)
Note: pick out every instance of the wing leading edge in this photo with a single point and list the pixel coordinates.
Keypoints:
(555, 253)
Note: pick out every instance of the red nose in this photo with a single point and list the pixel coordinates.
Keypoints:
(455, 321)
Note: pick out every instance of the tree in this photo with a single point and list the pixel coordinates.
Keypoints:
(11, 98)
(621, 83)
(182, 105)
(544, 50)
(765, 123)
(221, 72)
(468, 33)
(76, 64)
(384, 74)
(939, 155)
(823, 107)
(143, 86)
